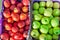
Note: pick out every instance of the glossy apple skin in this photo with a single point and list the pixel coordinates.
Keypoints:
(11, 33)
(6, 3)
(21, 30)
(21, 24)
(13, 1)
(19, 5)
(11, 38)
(23, 16)
(6, 14)
(5, 36)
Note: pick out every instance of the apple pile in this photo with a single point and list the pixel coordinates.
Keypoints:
(45, 24)
(16, 20)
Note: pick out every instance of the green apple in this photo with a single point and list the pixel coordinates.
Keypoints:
(56, 12)
(35, 12)
(38, 17)
(36, 5)
(36, 25)
(42, 4)
(51, 31)
(41, 10)
(55, 37)
(49, 4)
(49, 25)
(56, 30)
(48, 12)
(44, 29)
(45, 20)
(55, 22)
(42, 37)
(35, 34)
(56, 5)
(49, 37)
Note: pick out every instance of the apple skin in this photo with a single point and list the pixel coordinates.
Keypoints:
(6, 3)
(13, 1)
(23, 16)
(42, 4)
(5, 36)
(36, 5)
(51, 31)
(19, 5)
(35, 34)
(55, 37)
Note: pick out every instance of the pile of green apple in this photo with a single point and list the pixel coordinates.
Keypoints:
(45, 24)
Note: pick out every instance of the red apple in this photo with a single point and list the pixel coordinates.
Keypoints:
(6, 14)
(15, 17)
(13, 1)
(25, 2)
(21, 30)
(21, 24)
(27, 21)
(12, 7)
(14, 29)
(20, 5)
(11, 38)
(5, 36)
(23, 16)
(16, 10)
(25, 34)
(27, 28)
(25, 9)
(4, 22)
(8, 26)
(10, 20)
(6, 3)
(11, 33)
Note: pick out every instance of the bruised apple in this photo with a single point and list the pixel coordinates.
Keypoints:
(6, 14)
(23, 16)
(6, 3)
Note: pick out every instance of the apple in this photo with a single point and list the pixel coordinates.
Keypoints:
(10, 20)
(20, 5)
(45, 20)
(36, 25)
(8, 27)
(55, 37)
(15, 17)
(54, 22)
(14, 29)
(6, 3)
(21, 24)
(49, 4)
(56, 12)
(56, 5)
(23, 16)
(44, 29)
(11, 33)
(12, 7)
(25, 9)
(42, 4)
(6, 14)
(16, 10)
(35, 12)
(11, 38)
(21, 30)
(38, 17)
(36, 5)
(51, 31)
(27, 21)
(27, 28)
(5, 36)
(48, 12)
(35, 34)
(13, 1)
(25, 2)
(42, 37)
(41, 10)
(15, 24)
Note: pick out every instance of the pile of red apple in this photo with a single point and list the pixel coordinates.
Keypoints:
(16, 20)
